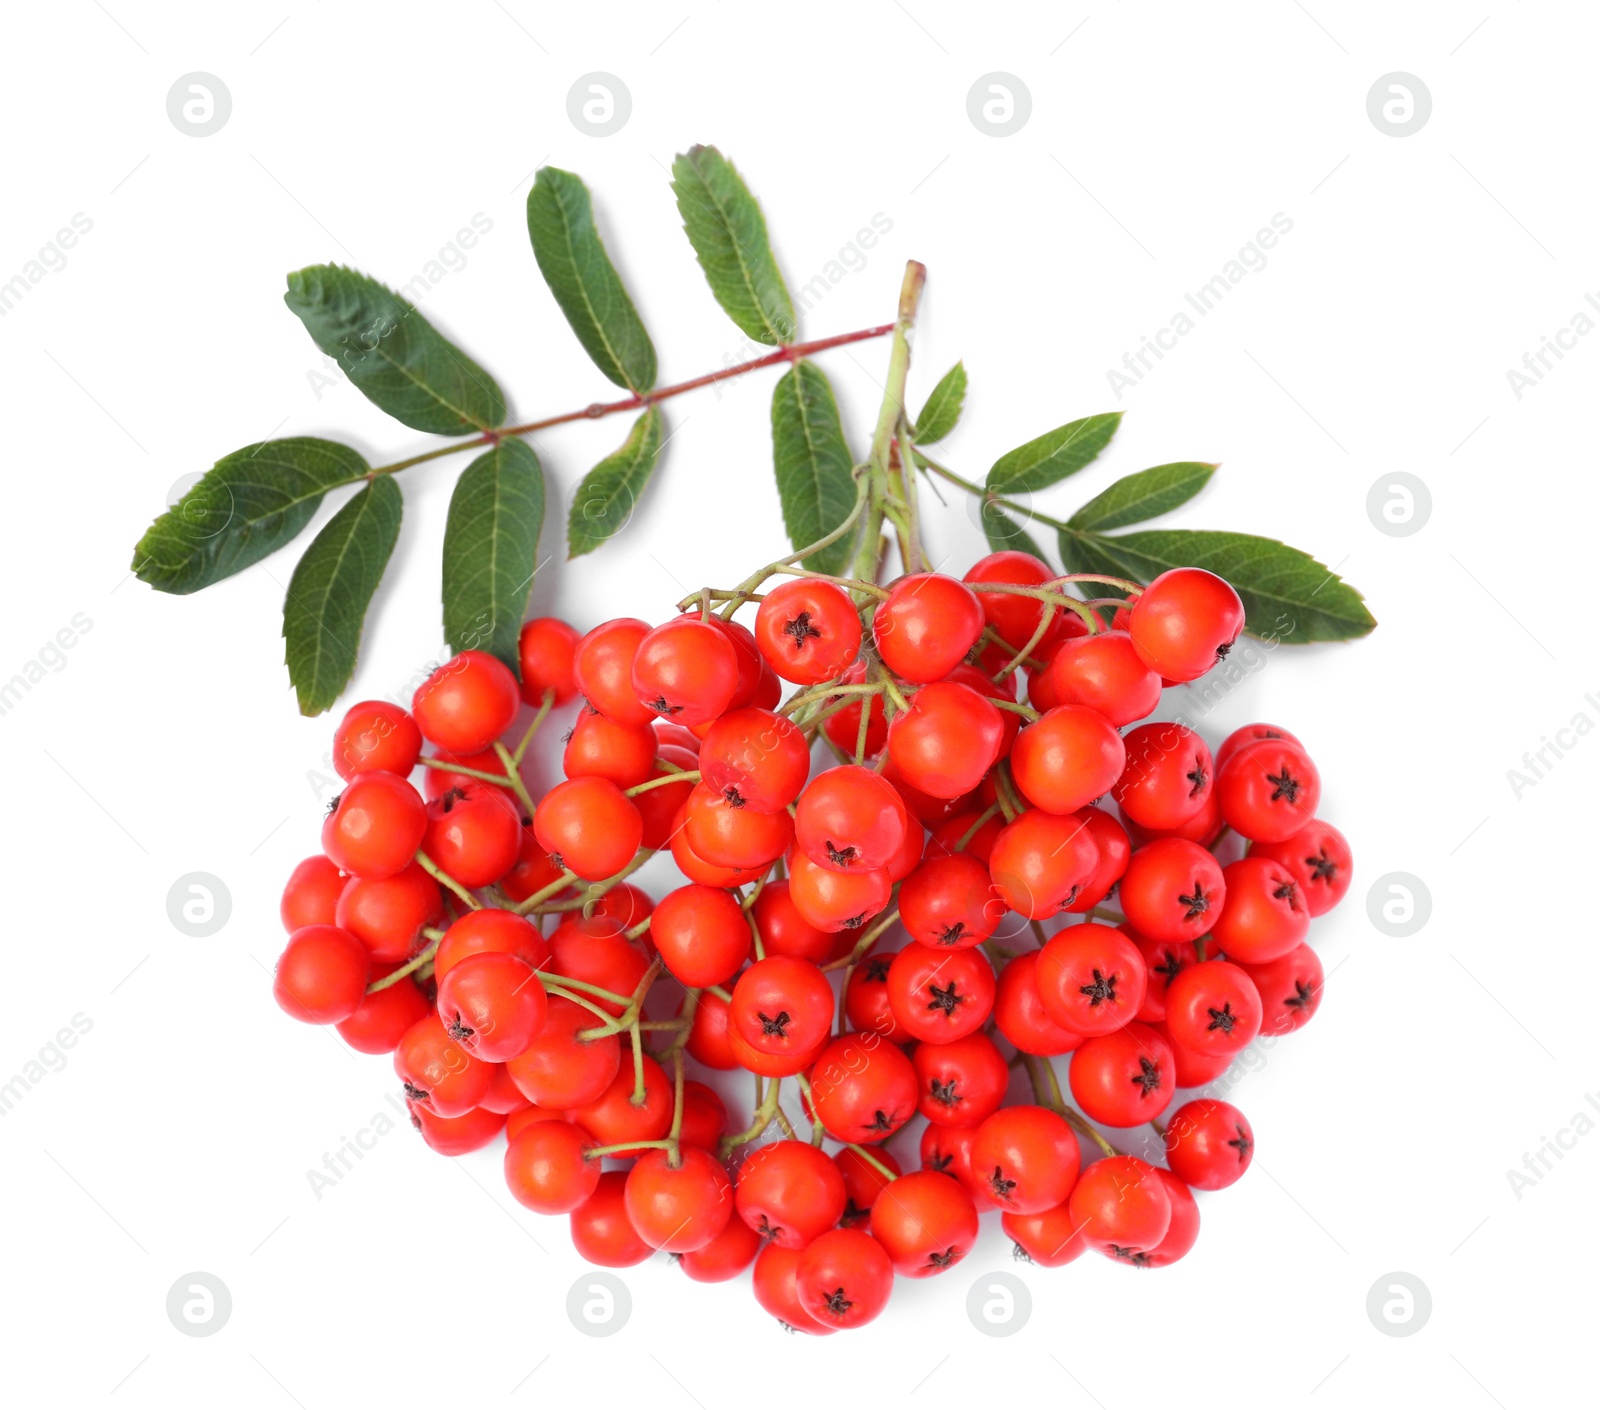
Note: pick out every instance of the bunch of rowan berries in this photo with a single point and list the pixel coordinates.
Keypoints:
(495, 946)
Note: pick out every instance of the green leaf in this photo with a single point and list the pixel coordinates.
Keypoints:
(249, 504)
(332, 585)
(1144, 495)
(491, 549)
(813, 464)
(605, 500)
(1287, 594)
(580, 274)
(1081, 553)
(729, 235)
(943, 408)
(1003, 532)
(396, 358)
(1054, 455)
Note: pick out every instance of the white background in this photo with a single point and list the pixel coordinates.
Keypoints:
(178, 1135)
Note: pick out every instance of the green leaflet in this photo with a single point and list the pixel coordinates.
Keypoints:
(249, 504)
(813, 464)
(491, 550)
(1054, 455)
(1288, 596)
(1144, 495)
(729, 235)
(605, 500)
(942, 410)
(585, 283)
(331, 588)
(395, 357)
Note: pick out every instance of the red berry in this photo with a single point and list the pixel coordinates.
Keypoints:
(602, 1233)
(950, 902)
(1091, 978)
(836, 900)
(615, 1119)
(375, 827)
(1051, 1238)
(1164, 961)
(1041, 862)
(708, 1035)
(547, 1169)
(437, 1072)
(947, 1151)
(1020, 1014)
(1209, 1144)
(755, 759)
(1250, 734)
(1182, 1229)
(789, 1192)
(388, 916)
(960, 1083)
(602, 666)
(1269, 790)
(468, 703)
(940, 995)
(784, 931)
(1106, 674)
(863, 1088)
(808, 631)
(560, 1069)
(376, 736)
(1212, 1007)
(1027, 1158)
(773, 1283)
(1120, 1202)
(382, 1018)
(727, 834)
(311, 895)
(1124, 1078)
(456, 1135)
(321, 975)
(593, 950)
(947, 741)
(850, 819)
(844, 726)
(545, 650)
(705, 1118)
(702, 935)
(725, 1257)
(1318, 857)
(1185, 622)
(863, 1183)
(1167, 778)
(678, 1207)
(1067, 758)
(474, 834)
(926, 1223)
(1014, 615)
(782, 1006)
(492, 1005)
(866, 1000)
(926, 625)
(1290, 988)
(1264, 915)
(1172, 890)
(686, 670)
(590, 826)
(599, 746)
(1113, 850)
(844, 1278)
(490, 930)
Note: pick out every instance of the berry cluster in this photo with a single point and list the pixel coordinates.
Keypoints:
(950, 807)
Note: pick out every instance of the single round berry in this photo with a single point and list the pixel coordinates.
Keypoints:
(1212, 1007)
(1318, 857)
(926, 1223)
(546, 647)
(926, 625)
(376, 736)
(321, 975)
(1269, 790)
(1026, 1157)
(808, 631)
(1067, 758)
(375, 827)
(686, 670)
(1209, 1144)
(1104, 673)
(468, 703)
(1185, 622)
(1124, 1078)
(863, 1088)
(1091, 978)
(844, 1278)
(1172, 890)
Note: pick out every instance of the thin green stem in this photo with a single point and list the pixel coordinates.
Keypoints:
(514, 777)
(445, 879)
(676, 776)
(545, 704)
